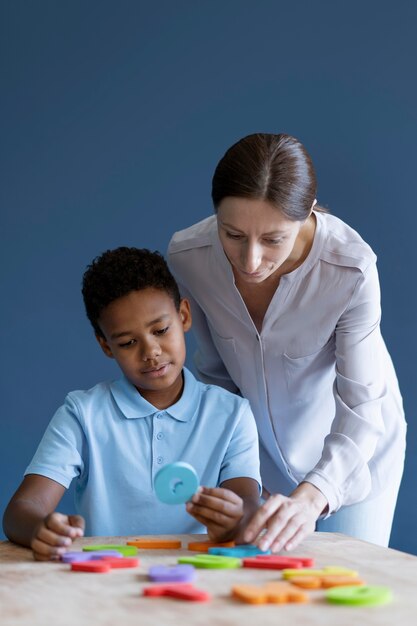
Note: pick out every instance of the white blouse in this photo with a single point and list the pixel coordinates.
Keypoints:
(318, 376)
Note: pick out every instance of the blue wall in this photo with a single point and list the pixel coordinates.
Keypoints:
(113, 116)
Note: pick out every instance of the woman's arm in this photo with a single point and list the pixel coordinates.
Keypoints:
(342, 476)
(360, 388)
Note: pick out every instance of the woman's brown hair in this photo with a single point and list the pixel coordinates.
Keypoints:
(274, 168)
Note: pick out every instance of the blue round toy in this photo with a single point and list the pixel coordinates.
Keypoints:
(176, 483)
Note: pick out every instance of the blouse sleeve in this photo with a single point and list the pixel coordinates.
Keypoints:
(343, 473)
(208, 364)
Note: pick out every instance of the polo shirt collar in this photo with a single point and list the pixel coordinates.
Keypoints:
(133, 405)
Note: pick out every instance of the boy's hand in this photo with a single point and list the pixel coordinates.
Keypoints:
(55, 534)
(219, 509)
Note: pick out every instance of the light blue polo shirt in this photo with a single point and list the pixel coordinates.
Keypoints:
(113, 442)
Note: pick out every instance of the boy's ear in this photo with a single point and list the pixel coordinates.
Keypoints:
(104, 346)
(185, 314)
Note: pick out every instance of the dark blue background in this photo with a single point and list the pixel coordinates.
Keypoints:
(113, 116)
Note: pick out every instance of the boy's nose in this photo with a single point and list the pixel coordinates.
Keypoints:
(151, 352)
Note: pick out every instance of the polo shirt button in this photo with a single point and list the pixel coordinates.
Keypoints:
(159, 416)
(160, 436)
(160, 460)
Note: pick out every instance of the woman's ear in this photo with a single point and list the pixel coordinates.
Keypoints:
(311, 211)
(104, 346)
(185, 314)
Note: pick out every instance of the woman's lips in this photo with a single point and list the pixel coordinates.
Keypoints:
(253, 274)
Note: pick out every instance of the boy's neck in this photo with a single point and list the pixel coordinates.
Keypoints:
(163, 398)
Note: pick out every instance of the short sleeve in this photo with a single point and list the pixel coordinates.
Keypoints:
(242, 456)
(63, 447)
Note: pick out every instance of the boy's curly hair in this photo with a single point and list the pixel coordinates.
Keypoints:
(115, 273)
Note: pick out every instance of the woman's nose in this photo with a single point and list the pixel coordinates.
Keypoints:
(251, 258)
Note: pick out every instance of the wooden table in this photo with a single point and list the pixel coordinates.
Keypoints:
(33, 593)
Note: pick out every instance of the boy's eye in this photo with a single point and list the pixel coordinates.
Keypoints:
(129, 343)
(162, 331)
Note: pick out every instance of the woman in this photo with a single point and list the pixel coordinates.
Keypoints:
(286, 308)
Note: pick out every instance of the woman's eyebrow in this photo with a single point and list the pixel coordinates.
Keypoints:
(272, 232)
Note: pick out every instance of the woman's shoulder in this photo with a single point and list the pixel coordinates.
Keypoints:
(195, 236)
(342, 244)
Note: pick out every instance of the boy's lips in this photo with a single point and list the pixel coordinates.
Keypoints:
(158, 370)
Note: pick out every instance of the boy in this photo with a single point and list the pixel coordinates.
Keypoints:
(115, 437)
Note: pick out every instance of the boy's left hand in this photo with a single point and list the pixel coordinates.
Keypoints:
(219, 509)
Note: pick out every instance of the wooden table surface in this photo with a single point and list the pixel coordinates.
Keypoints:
(33, 593)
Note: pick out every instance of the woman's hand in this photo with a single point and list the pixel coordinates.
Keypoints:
(219, 509)
(55, 534)
(287, 520)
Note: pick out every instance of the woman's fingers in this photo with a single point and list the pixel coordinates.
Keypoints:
(276, 529)
(286, 534)
(261, 518)
(286, 520)
(297, 538)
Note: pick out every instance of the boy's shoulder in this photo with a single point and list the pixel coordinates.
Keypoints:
(98, 390)
(223, 393)
(98, 395)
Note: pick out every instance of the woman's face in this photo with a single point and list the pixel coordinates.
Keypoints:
(257, 238)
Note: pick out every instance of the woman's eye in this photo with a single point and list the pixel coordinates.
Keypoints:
(162, 331)
(274, 242)
(128, 343)
(233, 236)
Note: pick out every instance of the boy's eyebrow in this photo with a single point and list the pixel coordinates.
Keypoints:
(124, 333)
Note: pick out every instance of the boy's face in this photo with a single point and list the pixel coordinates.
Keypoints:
(144, 333)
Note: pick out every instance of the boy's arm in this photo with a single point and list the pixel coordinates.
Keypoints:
(226, 510)
(30, 518)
